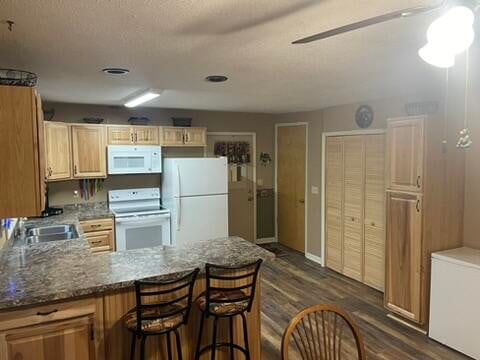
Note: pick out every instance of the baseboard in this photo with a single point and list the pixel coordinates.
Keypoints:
(265, 240)
(314, 258)
(406, 323)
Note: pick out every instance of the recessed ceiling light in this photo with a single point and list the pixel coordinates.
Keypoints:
(216, 78)
(116, 71)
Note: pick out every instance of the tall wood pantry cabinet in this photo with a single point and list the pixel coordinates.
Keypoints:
(22, 178)
(425, 184)
(355, 207)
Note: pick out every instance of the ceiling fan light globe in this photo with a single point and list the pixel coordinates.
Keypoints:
(437, 56)
(453, 31)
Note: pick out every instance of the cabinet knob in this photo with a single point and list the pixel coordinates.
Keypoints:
(373, 224)
(353, 219)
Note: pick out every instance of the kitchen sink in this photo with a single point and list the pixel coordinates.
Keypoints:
(50, 230)
(43, 234)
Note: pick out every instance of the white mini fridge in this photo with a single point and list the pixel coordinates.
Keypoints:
(455, 300)
(195, 190)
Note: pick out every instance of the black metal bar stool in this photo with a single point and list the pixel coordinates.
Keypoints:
(225, 298)
(153, 316)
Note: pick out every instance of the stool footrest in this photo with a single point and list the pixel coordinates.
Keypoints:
(222, 344)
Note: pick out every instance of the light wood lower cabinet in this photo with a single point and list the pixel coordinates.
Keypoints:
(89, 151)
(70, 330)
(100, 233)
(404, 254)
(58, 151)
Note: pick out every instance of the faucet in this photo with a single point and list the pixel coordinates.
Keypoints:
(21, 230)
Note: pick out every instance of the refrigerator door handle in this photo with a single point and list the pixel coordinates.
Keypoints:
(179, 204)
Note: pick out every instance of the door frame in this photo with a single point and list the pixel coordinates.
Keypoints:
(278, 125)
(325, 135)
(254, 163)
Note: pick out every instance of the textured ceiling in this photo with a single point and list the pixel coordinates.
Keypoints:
(173, 44)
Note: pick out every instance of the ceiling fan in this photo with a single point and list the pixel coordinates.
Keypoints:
(371, 21)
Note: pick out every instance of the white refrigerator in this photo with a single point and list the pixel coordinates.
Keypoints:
(195, 190)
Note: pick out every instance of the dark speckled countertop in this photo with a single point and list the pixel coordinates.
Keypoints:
(60, 270)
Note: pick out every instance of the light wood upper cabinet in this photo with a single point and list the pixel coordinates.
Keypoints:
(172, 136)
(404, 254)
(22, 178)
(196, 136)
(405, 141)
(132, 135)
(120, 135)
(58, 151)
(146, 135)
(180, 136)
(89, 151)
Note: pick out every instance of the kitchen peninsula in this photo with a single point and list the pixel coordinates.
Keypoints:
(62, 295)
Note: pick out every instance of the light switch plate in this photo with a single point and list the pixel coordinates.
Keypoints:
(260, 182)
(315, 190)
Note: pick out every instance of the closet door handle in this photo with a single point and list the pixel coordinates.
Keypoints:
(417, 205)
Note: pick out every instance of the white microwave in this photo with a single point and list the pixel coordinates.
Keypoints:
(132, 159)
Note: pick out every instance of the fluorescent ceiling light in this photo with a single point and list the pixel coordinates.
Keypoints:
(142, 98)
(436, 56)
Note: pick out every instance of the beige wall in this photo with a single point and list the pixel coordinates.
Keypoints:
(61, 193)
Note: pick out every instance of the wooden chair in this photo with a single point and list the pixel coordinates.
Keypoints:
(322, 332)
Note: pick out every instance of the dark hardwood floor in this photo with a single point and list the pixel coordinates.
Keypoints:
(292, 283)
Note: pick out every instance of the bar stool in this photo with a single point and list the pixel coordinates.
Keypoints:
(154, 317)
(230, 292)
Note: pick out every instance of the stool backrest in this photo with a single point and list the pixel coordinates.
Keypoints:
(162, 299)
(231, 281)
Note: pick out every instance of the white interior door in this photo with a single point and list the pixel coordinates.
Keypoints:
(241, 188)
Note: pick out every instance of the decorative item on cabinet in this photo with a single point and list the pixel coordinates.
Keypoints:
(93, 120)
(364, 116)
(12, 77)
(182, 121)
(138, 120)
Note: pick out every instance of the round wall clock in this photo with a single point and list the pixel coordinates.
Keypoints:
(364, 116)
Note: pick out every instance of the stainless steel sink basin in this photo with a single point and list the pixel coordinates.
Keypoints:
(35, 239)
(43, 234)
(49, 230)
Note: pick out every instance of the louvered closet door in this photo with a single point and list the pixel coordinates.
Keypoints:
(374, 224)
(334, 202)
(354, 180)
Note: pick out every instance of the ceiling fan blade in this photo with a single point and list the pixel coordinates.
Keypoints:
(371, 21)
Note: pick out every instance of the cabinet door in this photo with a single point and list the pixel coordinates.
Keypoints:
(374, 219)
(334, 203)
(405, 154)
(120, 135)
(354, 177)
(196, 136)
(70, 340)
(172, 136)
(146, 135)
(89, 151)
(58, 151)
(404, 254)
(22, 178)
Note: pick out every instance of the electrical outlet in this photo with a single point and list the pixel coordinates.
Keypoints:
(315, 190)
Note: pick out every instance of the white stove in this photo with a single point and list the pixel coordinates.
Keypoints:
(140, 220)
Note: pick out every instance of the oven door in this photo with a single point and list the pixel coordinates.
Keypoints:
(137, 232)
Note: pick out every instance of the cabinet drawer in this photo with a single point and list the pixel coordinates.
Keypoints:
(101, 240)
(96, 225)
(46, 313)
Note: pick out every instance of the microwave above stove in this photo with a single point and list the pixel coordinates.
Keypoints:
(133, 159)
